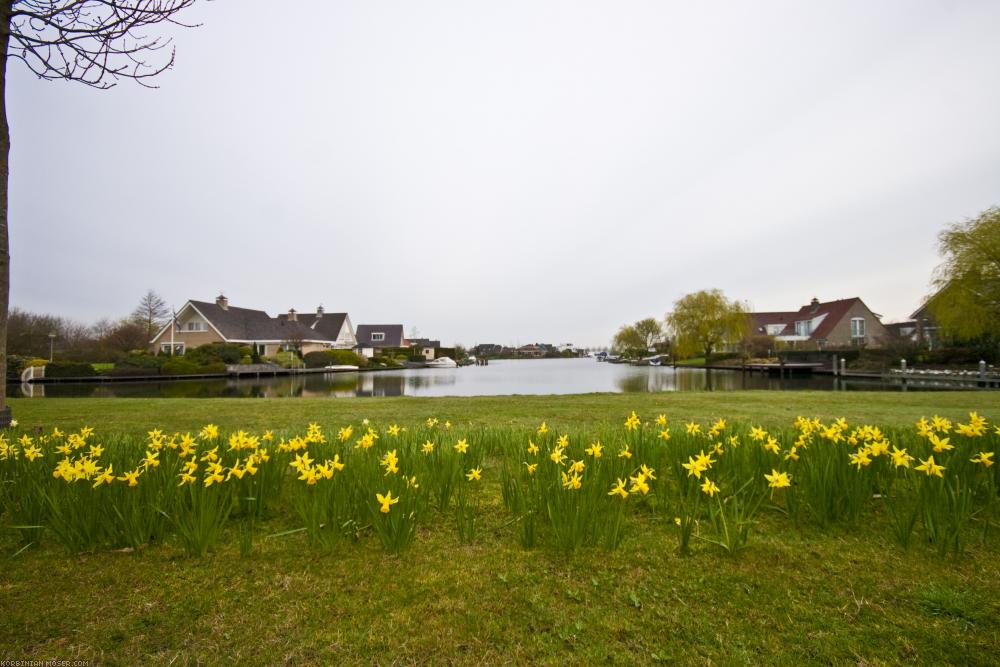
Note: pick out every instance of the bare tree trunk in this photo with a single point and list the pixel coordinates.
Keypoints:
(4, 241)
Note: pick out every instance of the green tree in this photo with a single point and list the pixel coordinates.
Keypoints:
(703, 321)
(628, 342)
(94, 42)
(967, 303)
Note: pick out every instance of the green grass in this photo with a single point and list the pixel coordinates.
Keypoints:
(103, 366)
(795, 595)
(765, 407)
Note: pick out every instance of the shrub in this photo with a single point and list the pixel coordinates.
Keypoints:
(228, 353)
(69, 369)
(286, 360)
(142, 360)
(185, 366)
(323, 358)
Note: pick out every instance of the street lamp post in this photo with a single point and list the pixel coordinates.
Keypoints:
(52, 340)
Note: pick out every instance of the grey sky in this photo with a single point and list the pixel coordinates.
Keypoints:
(517, 171)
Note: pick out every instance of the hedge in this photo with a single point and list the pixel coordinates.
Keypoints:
(69, 369)
(182, 366)
(323, 358)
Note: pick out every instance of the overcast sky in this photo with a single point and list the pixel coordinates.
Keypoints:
(513, 172)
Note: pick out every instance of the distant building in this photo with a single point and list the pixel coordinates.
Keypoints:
(533, 351)
(818, 325)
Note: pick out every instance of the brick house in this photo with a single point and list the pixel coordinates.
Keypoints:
(202, 322)
(819, 325)
(373, 338)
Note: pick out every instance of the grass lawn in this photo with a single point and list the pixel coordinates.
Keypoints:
(795, 595)
(765, 407)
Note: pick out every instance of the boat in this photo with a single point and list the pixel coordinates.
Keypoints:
(442, 362)
(340, 368)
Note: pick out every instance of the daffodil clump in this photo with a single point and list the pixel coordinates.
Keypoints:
(708, 481)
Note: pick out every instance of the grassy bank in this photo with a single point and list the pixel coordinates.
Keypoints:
(765, 407)
(796, 593)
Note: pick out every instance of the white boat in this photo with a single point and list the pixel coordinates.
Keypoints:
(340, 368)
(442, 362)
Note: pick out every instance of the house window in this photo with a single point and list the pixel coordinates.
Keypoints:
(196, 326)
(178, 348)
(803, 328)
(857, 327)
(378, 336)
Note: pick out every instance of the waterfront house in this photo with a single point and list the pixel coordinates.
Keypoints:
(424, 346)
(373, 338)
(202, 322)
(531, 351)
(819, 325)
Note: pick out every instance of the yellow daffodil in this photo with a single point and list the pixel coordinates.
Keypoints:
(778, 480)
(562, 441)
(661, 420)
(900, 458)
(693, 428)
(576, 466)
(625, 453)
(531, 467)
(633, 422)
(210, 432)
(106, 477)
(557, 456)
(461, 446)
(543, 429)
(664, 435)
(595, 450)
(574, 482)
(387, 501)
(618, 489)
(984, 458)
(474, 474)
(532, 447)
(709, 487)
(427, 447)
(345, 433)
(930, 467)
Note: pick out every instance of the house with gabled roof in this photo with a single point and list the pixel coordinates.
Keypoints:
(372, 338)
(202, 322)
(818, 325)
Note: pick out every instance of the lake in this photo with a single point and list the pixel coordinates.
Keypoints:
(501, 377)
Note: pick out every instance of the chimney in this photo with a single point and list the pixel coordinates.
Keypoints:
(222, 302)
(292, 315)
(319, 311)
(815, 304)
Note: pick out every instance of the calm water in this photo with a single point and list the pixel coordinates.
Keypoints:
(547, 376)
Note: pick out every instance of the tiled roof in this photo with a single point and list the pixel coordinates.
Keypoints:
(393, 335)
(250, 325)
(760, 321)
(328, 326)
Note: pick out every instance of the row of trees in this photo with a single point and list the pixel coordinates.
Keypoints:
(39, 335)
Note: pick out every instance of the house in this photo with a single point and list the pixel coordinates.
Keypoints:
(819, 325)
(202, 322)
(372, 338)
(927, 330)
(332, 326)
(531, 351)
(425, 346)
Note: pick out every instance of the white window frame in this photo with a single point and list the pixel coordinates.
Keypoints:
(178, 349)
(198, 326)
(803, 328)
(858, 331)
(378, 336)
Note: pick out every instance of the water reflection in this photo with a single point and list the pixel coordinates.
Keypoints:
(555, 376)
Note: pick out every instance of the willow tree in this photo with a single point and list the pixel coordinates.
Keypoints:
(704, 321)
(93, 42)
(967, 303)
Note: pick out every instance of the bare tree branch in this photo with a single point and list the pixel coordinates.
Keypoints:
(95, 42)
